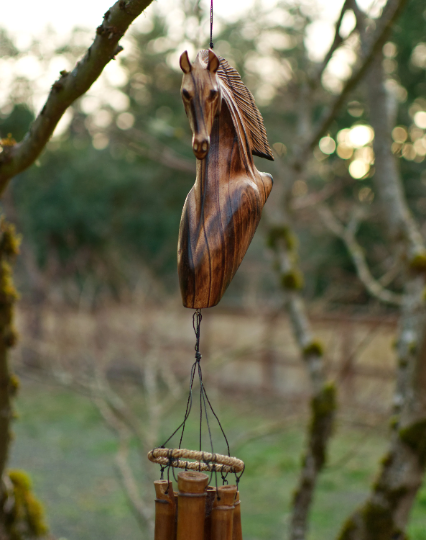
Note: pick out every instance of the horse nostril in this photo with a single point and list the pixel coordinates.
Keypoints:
(196, 147)
(204, 146)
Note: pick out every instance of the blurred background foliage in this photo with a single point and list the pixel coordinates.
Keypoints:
(101, 208)
(100, 213)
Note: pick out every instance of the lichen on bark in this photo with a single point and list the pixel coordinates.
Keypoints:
(24, 517)
(21, 514)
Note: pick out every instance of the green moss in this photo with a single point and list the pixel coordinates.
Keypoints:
(412, 347)
(323, 407)
(377, 520)
(403, 362)
(418, 262)
(14, 385)
(292, 280)
(10, 241)
(424, 295)
(414, 436)
(281, 233)
(394, 421)
(8, 293)
(348, 530)
(8, 141)
(314, 348)
(26, 520)
(386, 460)
(20, 480)
(10, 337)
(325, 403)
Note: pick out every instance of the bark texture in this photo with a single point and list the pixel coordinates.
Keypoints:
(323, 402)
(71, 85)
(385, 514)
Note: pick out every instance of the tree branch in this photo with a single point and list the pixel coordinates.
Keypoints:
(157, 151)
(323, 402)
(386, 511)
(347, 234)
(390, 13)
(70, 86)
(337, 41)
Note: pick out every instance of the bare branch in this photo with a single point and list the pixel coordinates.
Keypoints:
(158, 151)
(142, 512)
(312, 199)
(347, 234)
(323, 404)
(402, 469)
(69, 87)
(390, 13)
(337, 41)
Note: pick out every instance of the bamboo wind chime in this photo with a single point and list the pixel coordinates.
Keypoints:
(219, 219)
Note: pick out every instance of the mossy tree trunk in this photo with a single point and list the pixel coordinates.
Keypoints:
(21, 516)
(385, 514)
(323, 402)
(9, 245)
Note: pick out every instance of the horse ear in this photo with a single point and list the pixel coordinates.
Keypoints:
(213, 64)
(184, 62)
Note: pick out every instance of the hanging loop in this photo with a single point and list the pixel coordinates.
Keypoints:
(211, 24)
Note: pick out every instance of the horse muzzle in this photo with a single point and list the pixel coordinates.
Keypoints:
(200, 146)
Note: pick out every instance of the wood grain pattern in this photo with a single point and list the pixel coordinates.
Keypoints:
(223, 209)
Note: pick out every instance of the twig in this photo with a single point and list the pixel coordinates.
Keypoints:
(312, 199)
(159, 152)
(355, 251)
(70, 86)
(140, 509)
(390, 13)
(337, 41)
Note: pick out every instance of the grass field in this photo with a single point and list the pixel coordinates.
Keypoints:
(62, 441)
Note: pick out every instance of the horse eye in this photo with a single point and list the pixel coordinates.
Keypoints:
(213, 94)
(186, 94)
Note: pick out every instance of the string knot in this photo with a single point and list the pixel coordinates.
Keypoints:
(198, 356)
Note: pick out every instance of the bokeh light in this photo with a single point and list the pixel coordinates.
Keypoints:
(327, 145)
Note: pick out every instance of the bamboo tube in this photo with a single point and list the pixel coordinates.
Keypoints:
(237, 532)
(191, 505)
(211, 496)
(165, 511)
(223, 513)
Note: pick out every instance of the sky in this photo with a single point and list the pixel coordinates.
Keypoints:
(27, 18)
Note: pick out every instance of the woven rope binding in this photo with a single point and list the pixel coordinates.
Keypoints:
(204, 461)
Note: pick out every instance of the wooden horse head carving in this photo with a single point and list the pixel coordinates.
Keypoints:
(223, 209)
(201, 95)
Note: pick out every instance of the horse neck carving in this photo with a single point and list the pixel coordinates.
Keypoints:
(223, 209)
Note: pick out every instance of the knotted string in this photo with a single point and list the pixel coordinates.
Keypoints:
(205, 403)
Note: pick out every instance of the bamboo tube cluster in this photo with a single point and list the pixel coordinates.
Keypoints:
(196, 511)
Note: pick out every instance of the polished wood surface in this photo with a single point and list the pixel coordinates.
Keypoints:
(223, 209)
(222, 517)
(237, 533)
(191, 505)
(211, 496)
(165, 511)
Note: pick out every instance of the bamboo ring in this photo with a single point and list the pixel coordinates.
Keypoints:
(204, 461)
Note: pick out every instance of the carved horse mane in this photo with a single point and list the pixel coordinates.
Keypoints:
(223, 208)
(239, 99)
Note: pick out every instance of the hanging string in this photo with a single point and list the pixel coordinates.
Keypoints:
(205, 404)
(211, 24)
